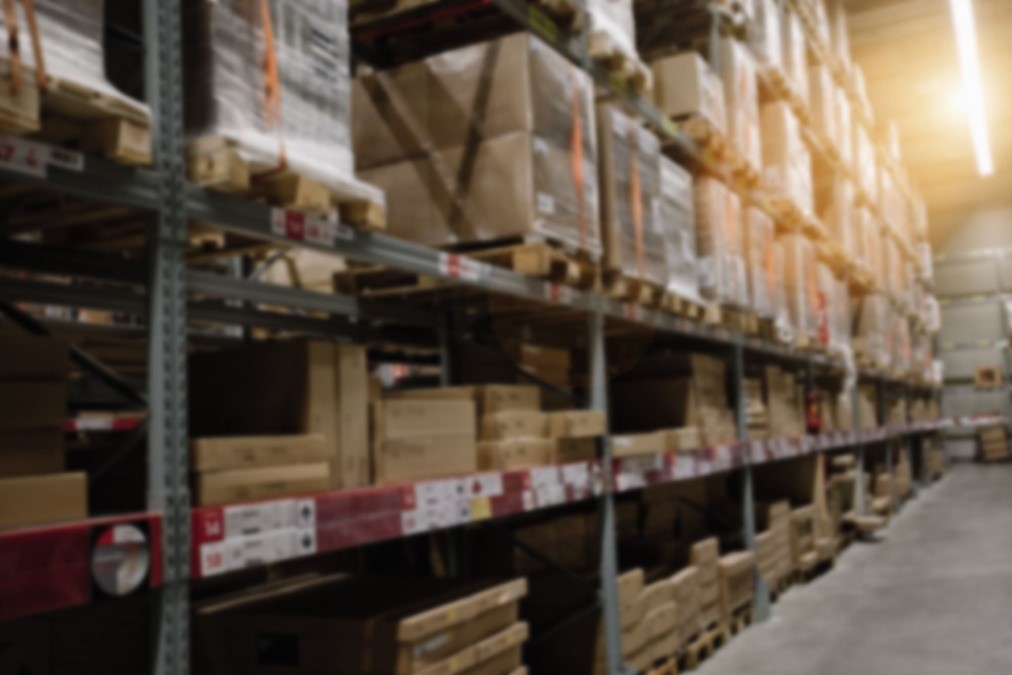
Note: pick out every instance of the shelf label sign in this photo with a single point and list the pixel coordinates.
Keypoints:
(461, 267)
(312, 228)
(32, 158)
(556, 292)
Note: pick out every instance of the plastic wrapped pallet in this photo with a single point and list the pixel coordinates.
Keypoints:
(799, 282)
(795, 63)
(786, 163)
(836, 197)
(822, 102)
(820, 302)
(737, 70)
(765, 39)
(612, 23)
(869, 240)
(630, 183)
(783, 326)
(678, 224)
(839, 37)
(839, 317)
(760, 259)
(844, 127)
(864, 162)
(71, 35)
(719, 242)
(232, 55)
(483, 143)
(685, 86)
(894, 275)
(870, 317)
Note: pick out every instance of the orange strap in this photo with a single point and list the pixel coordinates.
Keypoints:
(635, 199)
(576, 155)
(33, 32)
(13, 45)
(272, 83)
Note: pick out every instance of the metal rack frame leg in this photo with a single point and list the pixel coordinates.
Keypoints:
(610, 611)
(168, 491)
(761, 602)
(860, 503)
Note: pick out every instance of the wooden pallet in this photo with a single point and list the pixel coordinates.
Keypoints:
(635, 290)
(625, 69)
(711, 141)
(73, 115)
(739, 620)
(704, 646)
(215, 162)
(738, 320)
(666, 666)
(713, 314)
(676, 304)
(743, 171)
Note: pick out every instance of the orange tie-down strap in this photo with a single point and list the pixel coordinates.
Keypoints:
(272, 86)
(576, 155)
(14, 44)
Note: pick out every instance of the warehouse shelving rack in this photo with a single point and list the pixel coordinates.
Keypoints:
(171, 296)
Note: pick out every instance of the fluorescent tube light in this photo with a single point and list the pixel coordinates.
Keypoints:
(969, 61)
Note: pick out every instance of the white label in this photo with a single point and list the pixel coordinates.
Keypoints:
(482, 485)
(461, 267)
(434, 493)
(93, 423)
(556, 292)
(576, 474)
(545, 203)
(629, 481)
(66, 159)
(543, 476)
(23, 156)
(550, 495)
(250, 519)
(212, 559)
(685, 466)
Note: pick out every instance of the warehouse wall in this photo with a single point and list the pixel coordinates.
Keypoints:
(974, 325)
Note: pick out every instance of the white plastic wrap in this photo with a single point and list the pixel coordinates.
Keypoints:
(839, 37)
(614, 19)
(822, 102)
(719, 243)
(895, 276)
(837, 214)
(800, 283)
(678, 223)
(795, 63)
(821, 303)
(765, 39)
(839, 313)
(630, 178)
(844, 127)
(71, 34)
(685, 86)
(864, 162)
(737, 70)
(782, 323)
(871, 325)
(870, 242)
(760, 260)
(786, 162)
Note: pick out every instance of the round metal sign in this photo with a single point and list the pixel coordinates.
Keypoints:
(120, 559)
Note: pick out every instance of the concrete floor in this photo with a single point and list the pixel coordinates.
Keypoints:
(934, 596)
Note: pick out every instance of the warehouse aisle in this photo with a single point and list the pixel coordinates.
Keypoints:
(934, 597)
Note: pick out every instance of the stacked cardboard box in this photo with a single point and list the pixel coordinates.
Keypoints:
(784, 403)
(934, 458)
(418, 438)
(678, 224)
(737, 584)
(685, 591)
(737, 70)
(761, 264)
(475, 151)
(239, 468)
(367, 625)
(786, 162)
(635, 631)
(992, 444)
(803, 554)
(34, 489)
(630, 186)
(773, 545)
(719, 243)
(756, 419)
(705, 557)
(551, 364)
(660, 623)
(835, 196)
(288, 387)
(685, 87)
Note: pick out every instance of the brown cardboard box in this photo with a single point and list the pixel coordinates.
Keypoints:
(395, 419)
(736, 581)
(488, 398)
(25, 453)
(576, 449)
(288, 387)
(683, 439)
(408, 459)
(661, 620)
(576, 424)
(514, 424)
(32, 404)
(508, 186)
(265, 482)
(515, 453)
(655, 595)
(632, 445)
(33, 357)
(369, 625)
(684, 86)
(241, 452)
(538, 356)
(39, 500)
(630, 587)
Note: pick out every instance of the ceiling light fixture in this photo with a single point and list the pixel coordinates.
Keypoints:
(969, 61)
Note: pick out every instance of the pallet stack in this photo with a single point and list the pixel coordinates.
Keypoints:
(773, 545)
(35, 489)
(804, 556)
(737, 589)
(992, 444)
(705, 557)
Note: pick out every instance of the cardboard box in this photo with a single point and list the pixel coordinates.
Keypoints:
(630, 184)
(514, 424)
(488, 398)
(288, 387)
(267, 482)
(32, 404)
(366, 625)
(26, 453)
(741, 94)
(576, 449)
(419, 458)
(576, 424)
(737, 585)
(33, 357)
(40, 500)
(683, 439)
(241, 452)
(633, 445)
(684, 86)
(538, 356)
(515, 453)
(396, 419)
